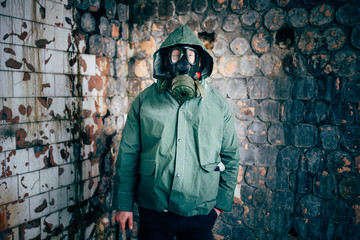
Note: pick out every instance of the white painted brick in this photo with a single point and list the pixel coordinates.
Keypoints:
(62, 38)
(81, 42)
(4, 57)
(14, 105)
(72, 104)
(27, 134)
(72, 157)
(15, 234)
(30, 28)
(38, 111)
(87, 64)
(66, 174)
(64, 235)
(59, 152)
(1, 117)
(55, 14)
(89, 188)
(65, 218)
(39, 205)
(31, 230)
(48, 224)
(5, 9)
(13, 8)
(2, 168)
(24, 88)
(38, 157)
(88, 106)
(66, 134)
(18, 212)
(35, 58)
(90, 168)
(54, 61)
(58, 199)
(87, 150)
(6, 83)
(71, 189)
(7, 137)
(17, 30)
(46, 34)
(50, 132)
(17, 162)
(34, 15)
(70, 68)
(67, 14)
(63, 86)
(49, 179)
(29, 184)
(46, 85)
(8, 189)
(89, 230)
(6, 28)
(57, 108)
(17, 8)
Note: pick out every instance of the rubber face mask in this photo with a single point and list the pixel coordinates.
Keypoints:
(183, 65)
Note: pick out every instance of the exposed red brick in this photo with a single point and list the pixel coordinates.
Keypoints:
(11, 63)
(46, 102)
(22, 109)
(10, 51)
(96, 82)
(2, 218)
(27, 76)
(41, 207)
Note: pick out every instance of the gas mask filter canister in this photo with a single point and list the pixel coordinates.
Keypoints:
(184, 63)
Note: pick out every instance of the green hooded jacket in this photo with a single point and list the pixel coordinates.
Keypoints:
(170, 153)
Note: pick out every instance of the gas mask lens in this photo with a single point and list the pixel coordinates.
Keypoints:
(177, 53)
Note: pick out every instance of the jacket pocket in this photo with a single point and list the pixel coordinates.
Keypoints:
(210, 167)
(147, 167)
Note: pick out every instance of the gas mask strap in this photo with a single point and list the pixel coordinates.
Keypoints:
(200, 91)
(164, 84)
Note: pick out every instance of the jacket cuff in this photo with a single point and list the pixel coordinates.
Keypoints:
(224, 200)
(123, 201)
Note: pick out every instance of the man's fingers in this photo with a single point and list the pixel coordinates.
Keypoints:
(130, 223)
(122, 225)
(123, 218)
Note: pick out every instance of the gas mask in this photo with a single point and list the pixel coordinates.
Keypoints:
(182, 67)
(181, 63)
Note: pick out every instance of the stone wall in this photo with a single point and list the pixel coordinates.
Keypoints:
(289, 69)
(69, 70)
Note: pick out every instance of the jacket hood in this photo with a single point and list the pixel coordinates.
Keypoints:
(182, 36)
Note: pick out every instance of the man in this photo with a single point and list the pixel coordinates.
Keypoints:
(178, 157)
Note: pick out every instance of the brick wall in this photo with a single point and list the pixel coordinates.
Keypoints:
(43, 174)
(69, 69)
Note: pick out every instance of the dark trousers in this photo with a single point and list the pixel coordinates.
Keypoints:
(165, 226)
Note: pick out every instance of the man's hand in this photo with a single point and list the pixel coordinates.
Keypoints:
(217, 211)
(122, 218)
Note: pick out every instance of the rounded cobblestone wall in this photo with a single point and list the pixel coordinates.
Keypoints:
(290, 71)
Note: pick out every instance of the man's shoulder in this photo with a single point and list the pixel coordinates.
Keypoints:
(148, 92)
(214, 95)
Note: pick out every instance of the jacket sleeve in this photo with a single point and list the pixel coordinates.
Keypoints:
(230, 158)
(126, 167)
